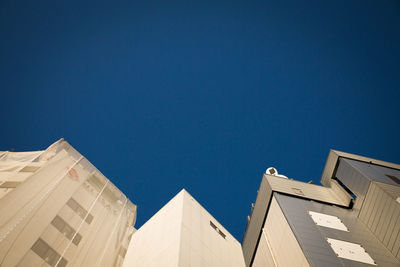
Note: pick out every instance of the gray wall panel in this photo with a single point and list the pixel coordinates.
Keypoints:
(374, 172)
(352, 178)
(312, 238)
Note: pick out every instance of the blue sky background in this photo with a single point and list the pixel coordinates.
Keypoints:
(163, 95)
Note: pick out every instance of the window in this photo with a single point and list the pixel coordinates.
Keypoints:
(9, 184)
(350, 251)
(327, 221)
(49, 255)
(217, 229)
(75, 206)
(66, 230)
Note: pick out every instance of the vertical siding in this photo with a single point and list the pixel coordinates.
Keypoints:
(381, 215)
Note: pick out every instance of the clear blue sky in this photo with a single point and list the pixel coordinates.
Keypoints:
(163, 95)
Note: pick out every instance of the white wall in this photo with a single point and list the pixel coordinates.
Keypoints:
(180, 234)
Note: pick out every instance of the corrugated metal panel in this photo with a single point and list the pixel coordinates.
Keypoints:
(376, 203)
(312, 238)
(384, 171)
(374, 172)
(378, 218)
(381, 213)
(386, 215)
(333, 157)
(393, 191)
(393, 222)
(394, 239)
(352, 178)
(366, 209)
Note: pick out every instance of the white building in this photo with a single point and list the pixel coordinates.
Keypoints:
(181, 234)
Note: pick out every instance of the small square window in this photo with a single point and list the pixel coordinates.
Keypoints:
(217, 229)
(77, 239)
(89, 218)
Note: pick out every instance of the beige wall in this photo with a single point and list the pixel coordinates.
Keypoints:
(157, 242)
(181, 234)
(203, 245)
(40, 227)
(278, 243)
(264, 256)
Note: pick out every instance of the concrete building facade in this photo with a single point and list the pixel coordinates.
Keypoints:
(183, 233)
(57, 209)
(351, 220)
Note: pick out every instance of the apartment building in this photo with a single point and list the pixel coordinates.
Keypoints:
(57, 209)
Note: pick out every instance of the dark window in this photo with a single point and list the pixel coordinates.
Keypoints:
(48, 254)
(393, 178)
(217, 229)
(77, 239)
(89, 218)
(75, 206)
(66, 229)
